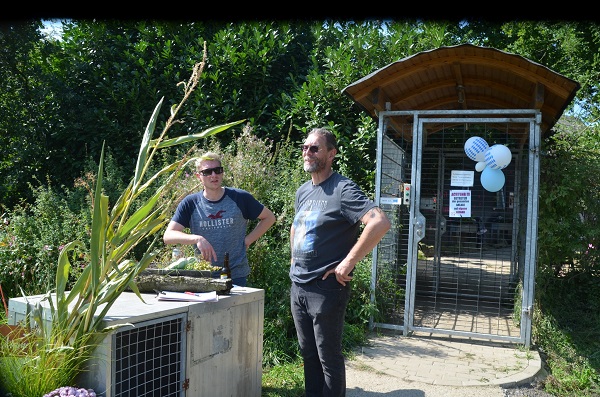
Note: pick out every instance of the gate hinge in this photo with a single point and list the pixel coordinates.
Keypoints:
(186, 384)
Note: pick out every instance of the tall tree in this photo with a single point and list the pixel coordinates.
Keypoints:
(27, 110)
(100, 80)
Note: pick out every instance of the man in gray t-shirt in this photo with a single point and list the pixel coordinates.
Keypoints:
(326, 244)
(326, 225)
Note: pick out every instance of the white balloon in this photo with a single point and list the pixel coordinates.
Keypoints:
(475, 148)
(492, 179)
(498, 157)
(480, 166)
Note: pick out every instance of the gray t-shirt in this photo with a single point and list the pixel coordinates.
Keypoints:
(223, 223)
(326, 225)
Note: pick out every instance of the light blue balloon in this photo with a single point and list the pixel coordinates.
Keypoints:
(492, 180)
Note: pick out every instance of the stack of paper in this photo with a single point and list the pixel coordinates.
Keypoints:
(188, 296)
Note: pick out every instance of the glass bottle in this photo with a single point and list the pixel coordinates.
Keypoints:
(176, 254)
(225, 270)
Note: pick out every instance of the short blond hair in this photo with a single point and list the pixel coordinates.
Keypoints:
(208, 156)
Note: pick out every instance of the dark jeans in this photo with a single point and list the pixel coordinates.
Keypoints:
(240, 282)
(319, 308)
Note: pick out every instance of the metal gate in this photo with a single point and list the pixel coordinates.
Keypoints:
(459, 259)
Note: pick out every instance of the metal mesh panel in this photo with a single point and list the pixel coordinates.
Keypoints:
(149, 359)
(465, 280)
(392, 252)
(468, 273)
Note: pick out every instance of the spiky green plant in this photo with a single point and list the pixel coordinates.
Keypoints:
(30, 366)
(62, 345)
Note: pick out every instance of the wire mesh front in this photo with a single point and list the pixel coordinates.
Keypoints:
(467, 269)
(393, 248)
(149, 359)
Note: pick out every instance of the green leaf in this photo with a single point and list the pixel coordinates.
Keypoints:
(143, 153)
(193, 137)
(138, 217)
(63, 269)
(98, 221)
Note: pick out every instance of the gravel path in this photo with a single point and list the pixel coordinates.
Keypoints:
(531, 390)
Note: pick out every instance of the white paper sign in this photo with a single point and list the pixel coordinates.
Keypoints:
(460, 204)
(462, 178)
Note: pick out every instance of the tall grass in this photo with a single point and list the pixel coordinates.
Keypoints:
(567, 332)
(31, 368)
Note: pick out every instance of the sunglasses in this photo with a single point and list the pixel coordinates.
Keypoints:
(209, 171)
(311, 148)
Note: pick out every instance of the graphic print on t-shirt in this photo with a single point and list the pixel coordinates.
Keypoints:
(304, 233)
(217, 215)
(305, 225)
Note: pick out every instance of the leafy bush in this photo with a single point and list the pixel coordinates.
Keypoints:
(31, 238)
(569, 227)
(566, 320)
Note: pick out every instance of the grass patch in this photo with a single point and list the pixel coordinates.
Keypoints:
(286, 380)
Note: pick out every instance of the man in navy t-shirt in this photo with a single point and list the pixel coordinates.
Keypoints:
(218, 219)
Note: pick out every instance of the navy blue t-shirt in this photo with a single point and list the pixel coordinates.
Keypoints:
(223, 223)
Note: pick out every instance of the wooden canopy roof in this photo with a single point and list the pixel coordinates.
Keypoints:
(464, 77)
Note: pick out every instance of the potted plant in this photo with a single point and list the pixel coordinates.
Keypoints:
(59, 348)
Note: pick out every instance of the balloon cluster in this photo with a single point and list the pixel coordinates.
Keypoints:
(491, 160)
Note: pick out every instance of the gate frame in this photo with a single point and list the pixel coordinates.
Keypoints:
(417, 220)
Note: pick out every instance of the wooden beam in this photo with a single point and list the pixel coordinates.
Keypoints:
(538, 96)
(460, 86)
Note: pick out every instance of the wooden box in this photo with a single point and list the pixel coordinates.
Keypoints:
(176, 348)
